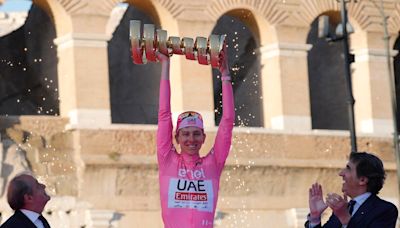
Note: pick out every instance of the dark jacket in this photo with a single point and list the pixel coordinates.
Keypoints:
(19, 220)
(373, 213)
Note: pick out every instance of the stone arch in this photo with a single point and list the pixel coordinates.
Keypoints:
(58, 13)
(270, 10)
(394, 20)
(148, 8)
(264, 14)
(167, 8)
(311, 9)
(30, 48)
(366, 21)
(283, 39)
(134, 88)
(363, 14)
(325, 77)
(243, 41)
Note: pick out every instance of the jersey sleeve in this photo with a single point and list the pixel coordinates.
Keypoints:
(223, 140)
(164, 130)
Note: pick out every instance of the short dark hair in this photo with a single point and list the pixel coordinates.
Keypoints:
(371, 167)
(18, 187)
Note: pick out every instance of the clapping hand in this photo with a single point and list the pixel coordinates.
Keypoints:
(339, 204)
(316, 201)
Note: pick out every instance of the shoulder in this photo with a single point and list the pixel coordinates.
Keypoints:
(381, 203)
(17, 220)
(12, 222)
(380, 200)
(387, 203)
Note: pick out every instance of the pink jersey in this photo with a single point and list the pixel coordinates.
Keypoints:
(189, 185)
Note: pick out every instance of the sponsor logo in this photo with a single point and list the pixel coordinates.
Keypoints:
(191, 196)
(195, 194)
(194, 186)
(192, 174)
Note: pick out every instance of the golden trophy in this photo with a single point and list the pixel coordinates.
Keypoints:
(147, 41)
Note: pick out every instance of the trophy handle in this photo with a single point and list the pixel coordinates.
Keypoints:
(216, 45)
(201, 47)
(162, 42)
(149, 41)
(145, 43)
(136, 42)
(188, 47)
(175, 45)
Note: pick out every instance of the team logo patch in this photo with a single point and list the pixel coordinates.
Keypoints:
(195, 194)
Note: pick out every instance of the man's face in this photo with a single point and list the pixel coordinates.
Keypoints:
(37, 201)
(190, 139)
(352, 184)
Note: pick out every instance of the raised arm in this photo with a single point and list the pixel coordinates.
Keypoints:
(164, 131)
(223, 139)
(316, 204)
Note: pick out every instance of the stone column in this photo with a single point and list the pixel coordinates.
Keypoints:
(83, 79)
(285, 87)
(371, 88)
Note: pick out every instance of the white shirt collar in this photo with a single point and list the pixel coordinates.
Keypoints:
(33, 216)
(360, 200)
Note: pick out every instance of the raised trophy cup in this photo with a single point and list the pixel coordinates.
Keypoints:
(147, 40)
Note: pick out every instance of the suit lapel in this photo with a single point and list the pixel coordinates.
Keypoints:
(44, 221)
(362, 212)
(24, 220)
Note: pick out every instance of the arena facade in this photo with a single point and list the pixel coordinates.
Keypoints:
(82, 117)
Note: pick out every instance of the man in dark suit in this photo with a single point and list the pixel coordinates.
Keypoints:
(363, 178)
(27, 197)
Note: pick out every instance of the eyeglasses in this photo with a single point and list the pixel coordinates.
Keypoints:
(184, 115)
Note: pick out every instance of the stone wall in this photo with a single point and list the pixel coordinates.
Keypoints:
(267, 174)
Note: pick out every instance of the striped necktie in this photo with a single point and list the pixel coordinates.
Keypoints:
(351, 206)
(44, 221)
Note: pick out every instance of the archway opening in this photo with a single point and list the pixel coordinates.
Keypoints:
(326, 79)
(28, 67)
(133, 88)
(244, 60)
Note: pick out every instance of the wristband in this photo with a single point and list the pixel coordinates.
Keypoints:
(226, 78)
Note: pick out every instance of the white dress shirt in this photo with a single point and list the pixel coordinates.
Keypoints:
(34, 217)
(359, 201)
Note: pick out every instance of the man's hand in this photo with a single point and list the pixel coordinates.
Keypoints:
(164, 65)
(316, 202)
(338, 205)
(161, 57)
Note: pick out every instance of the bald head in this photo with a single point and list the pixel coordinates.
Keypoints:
(18, 187)
(25, 192)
